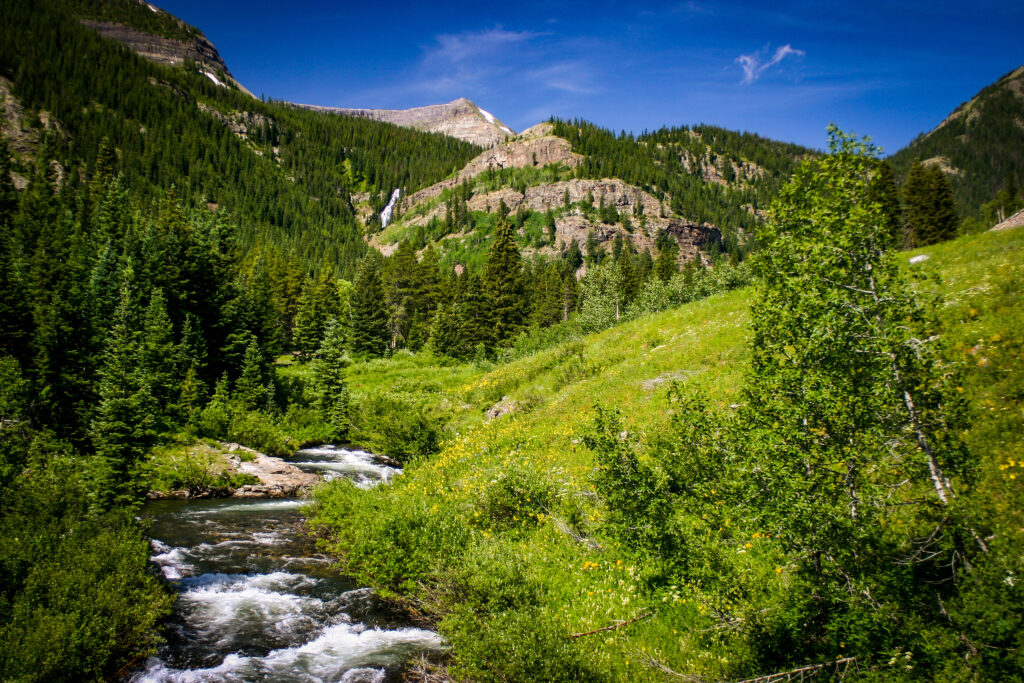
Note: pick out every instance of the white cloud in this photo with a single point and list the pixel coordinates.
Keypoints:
(753, 67)
(572, 77)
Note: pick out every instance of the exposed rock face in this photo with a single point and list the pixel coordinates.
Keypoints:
(1014, 221)
(21, 138)
(459, 118)
(165, 50)
(535, 147)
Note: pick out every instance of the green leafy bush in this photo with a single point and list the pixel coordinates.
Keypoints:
(395, 425)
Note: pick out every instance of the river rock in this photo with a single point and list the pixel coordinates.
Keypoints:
(278, 479)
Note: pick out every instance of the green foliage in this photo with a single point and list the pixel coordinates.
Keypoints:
(288, 179)
(368, 315)
(398, 426)
(982, 141)
(76, 601)
(669, 161)
(930, 212)
(329, 386)
(506, 293)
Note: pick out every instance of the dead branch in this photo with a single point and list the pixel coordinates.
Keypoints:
(564, 527)
(618, 624)
(801, 672)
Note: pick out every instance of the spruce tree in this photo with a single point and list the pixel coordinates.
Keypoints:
(157, 352)
(329, 386)
(503, 279)
(667, 263)
(253, 389)
(930, 214)
(126, 417)
(368, 314)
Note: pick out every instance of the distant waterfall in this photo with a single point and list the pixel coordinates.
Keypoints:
(385, 215)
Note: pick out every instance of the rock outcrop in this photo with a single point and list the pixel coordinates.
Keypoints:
(278, 479)
(459, 118)
(1014, 221)
(167, 50)
(536, 147)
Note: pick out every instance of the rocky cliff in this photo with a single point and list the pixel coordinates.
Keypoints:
(536, 146)
(459, 118)
(169, 51)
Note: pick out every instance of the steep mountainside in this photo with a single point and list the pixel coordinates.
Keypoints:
(459, 118)
(695, 189)
(286, 175)
(980, 145)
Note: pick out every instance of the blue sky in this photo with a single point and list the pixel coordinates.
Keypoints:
(784, 70)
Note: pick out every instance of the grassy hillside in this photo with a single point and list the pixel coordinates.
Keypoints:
(502, 541)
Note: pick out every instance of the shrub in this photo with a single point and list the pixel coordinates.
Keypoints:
(397, 426)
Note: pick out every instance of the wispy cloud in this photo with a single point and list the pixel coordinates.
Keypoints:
(571, 77)
(753, 67)
(459, 48)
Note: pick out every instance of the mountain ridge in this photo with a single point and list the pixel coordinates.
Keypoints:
(979, 145)
(461, 118)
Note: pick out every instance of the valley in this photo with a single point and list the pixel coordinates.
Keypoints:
(561, 404)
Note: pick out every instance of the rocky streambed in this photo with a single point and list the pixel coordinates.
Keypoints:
(256, 600)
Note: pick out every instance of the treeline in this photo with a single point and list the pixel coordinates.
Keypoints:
(286, 174)
(416, 302)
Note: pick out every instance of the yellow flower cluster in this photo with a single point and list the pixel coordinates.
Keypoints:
(1010, 465)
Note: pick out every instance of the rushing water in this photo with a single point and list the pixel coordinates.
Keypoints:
(257, 602)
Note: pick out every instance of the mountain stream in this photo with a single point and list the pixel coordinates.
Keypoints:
(257, 602)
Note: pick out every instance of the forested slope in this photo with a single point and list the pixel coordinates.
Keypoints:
(284, 174)
(980, 145)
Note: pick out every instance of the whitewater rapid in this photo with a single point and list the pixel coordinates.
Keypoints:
(258, 602)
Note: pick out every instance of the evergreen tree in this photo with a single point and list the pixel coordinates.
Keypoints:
(474, 315)
(253, 389)
(368, 314)
(126, 418)
(929, 209)
(446, 336)
(329, 386)
(503, 278)
(630, 281)
(667, 263)
(158, 353)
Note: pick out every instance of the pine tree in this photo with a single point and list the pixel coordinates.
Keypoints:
(158, 357)
(503, 280)
(126, 418)
(667, 263)
(329, 386)
(629, 278)
(929, 208)
(474, 315)
(253, 389)
(368, 314)
(446, 336)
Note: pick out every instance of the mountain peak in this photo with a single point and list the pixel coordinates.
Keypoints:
(461, 118)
